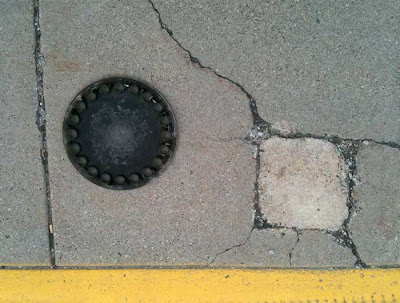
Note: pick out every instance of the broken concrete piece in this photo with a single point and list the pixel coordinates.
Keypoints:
(316, 248)
(374, 226)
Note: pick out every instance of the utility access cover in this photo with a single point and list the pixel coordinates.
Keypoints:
(119, 133)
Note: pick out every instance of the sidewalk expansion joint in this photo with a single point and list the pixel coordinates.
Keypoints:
(41, 122)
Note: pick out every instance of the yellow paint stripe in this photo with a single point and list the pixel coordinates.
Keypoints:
(200, 285)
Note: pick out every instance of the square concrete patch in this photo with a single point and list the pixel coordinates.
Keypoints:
(302, 184)
(202, 203)
(23, 212)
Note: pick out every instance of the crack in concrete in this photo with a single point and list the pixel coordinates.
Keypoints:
(258, 134)
(349, 150)
(298, 231)
(253, 106)
(262, 130)
(258, 220)
(41, 123)
(232, 247)
(332, 138)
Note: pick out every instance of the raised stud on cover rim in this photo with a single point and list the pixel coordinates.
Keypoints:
(164, 149)
(105, 178)
(158, 107)
(147, 172)
(133, 89)
(80, 106)
(120, 180)
(92, 171)
(81, 161)
(73, 120)
(90, 96)
(157, 162)
(71, 134)
(166, 136)
(133, 178)
(104, 89)
(147, 96)
(118, 87)
(74, 148)
(164, 120)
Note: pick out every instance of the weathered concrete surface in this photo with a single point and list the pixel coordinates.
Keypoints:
(312, 67)
(264, 248)
(23, 216)
(317, 249)
(318, 66)
(302, 184)
(202, 203)
(375, 225)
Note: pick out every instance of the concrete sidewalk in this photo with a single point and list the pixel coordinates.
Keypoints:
(288, 117)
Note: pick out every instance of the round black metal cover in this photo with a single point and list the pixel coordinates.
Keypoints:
(119, 133)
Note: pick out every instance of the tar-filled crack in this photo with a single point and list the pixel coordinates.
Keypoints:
(263, 130)
(232, 247)
(41, 123)
(349, 150)
(298, 232)
(259, 223)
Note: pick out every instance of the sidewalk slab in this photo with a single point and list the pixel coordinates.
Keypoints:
(200, 210)
(264, 248)
(316, 66)
(375, 226)
(202, 203)
(23, 213)
(318, 249)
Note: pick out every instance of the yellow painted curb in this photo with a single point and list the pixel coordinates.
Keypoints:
(200, 285)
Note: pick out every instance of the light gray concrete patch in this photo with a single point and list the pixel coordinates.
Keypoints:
(318, 249)
(202, 203)
(23, 215)
(315, 66)
(264, 248)
(302, 184)
(374, 226)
